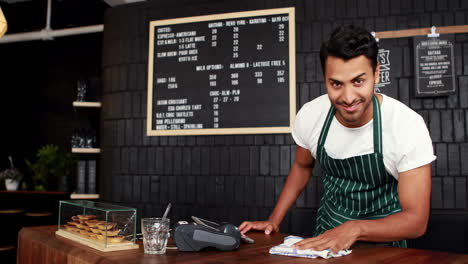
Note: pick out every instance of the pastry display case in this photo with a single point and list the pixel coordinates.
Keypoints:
(103, 226)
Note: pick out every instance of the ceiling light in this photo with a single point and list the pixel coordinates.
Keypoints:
(3, 23)
(121, 2)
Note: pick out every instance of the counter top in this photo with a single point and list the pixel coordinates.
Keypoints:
(40, 245)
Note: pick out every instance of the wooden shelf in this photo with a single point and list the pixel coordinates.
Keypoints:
(84, 196)
(33, 192)
(7, 248)
(86, 150)
(86, 104)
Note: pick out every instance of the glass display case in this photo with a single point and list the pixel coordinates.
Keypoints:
(102, 226)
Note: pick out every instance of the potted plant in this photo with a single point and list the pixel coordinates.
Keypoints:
(51, 168)
(12, 177)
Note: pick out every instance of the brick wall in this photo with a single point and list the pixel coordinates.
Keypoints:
(232, 178)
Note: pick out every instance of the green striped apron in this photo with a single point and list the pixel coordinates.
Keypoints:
(357, 187)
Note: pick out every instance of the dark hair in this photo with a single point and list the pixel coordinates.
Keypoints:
(347, 42)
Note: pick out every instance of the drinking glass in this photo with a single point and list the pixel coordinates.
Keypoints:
(155, 234)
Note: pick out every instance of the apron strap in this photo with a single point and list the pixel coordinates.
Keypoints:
(326, 126)
(377, 127)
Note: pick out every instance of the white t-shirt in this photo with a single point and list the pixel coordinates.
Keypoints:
(406, 140)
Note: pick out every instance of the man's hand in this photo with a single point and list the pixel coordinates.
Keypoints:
(338, 238)
(268, 226)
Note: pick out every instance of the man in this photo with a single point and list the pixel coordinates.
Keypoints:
(375, 152)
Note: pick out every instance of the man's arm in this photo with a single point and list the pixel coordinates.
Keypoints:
(414, 191)
(297, 179)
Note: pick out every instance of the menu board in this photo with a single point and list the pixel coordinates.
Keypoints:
(434, 66)
(230, 73)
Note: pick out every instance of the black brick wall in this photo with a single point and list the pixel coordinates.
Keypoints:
(233, 178)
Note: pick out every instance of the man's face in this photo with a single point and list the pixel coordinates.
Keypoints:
(350, 87)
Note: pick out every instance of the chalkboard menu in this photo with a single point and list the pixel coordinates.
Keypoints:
(230, 73)
(434, 66)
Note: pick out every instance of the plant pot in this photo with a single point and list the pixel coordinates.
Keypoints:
(11, 185)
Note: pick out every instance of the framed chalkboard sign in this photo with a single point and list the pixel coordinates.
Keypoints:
(385, 75)
(230, 73)
(434, 65)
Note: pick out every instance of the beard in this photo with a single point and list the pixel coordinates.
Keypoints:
(353, 118)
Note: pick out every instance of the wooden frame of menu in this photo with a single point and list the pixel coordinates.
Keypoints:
(220, 131)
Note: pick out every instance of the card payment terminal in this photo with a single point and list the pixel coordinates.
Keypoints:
(203, 234)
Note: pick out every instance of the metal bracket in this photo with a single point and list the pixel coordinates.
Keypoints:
(373, 34)
(433, 33)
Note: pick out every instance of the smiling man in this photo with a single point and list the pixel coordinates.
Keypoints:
(375, 153)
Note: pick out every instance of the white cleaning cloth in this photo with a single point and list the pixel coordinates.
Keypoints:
(286, 249)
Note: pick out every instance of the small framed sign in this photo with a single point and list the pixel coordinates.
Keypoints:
(434, 65)
(387, 56)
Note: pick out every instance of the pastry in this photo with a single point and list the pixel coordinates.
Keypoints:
(80, 226)
(115, 239)
(93, 223)
(104, 226)
(110, 232)
(86, 217)
(71, 223)
(75, 218)
(95, 231)
(68, 227)
(100, 237)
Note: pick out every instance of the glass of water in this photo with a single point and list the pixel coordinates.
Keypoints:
(155, 234)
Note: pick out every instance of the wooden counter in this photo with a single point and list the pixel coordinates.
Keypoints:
(40, 245)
